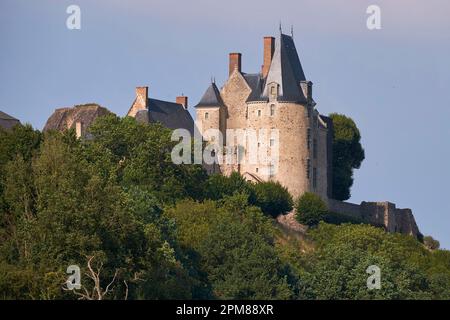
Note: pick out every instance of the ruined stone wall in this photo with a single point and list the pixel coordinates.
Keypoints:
(383, 214)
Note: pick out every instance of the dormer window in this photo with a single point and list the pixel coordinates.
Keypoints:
(273, 91)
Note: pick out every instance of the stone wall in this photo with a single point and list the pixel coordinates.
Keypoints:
(383, 214)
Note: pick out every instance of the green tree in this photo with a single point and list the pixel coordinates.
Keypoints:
(233, 243)
(82, 217)
(219, 186)
(431, 243)
(348, 154)
(311, 209)
(336, 269)
(272, 198)
(140, 155)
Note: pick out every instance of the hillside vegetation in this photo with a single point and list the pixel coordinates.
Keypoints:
(141, 227)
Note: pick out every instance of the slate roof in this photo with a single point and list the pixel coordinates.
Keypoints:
(286, 70)
(170, 114)
(256, 83)
(7, 121)
(211, 97)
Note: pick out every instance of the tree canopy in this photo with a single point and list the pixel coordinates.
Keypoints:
(348, 154)
(140, 227)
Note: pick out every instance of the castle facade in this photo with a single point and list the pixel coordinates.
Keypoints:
(279, 97)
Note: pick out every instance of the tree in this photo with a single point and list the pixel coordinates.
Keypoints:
(272, 198)
(233, 243)
(139, 154)
(219, 186)
(74, 211)
(348, 154)
(431, 243)
(311, 209)
(336, 269)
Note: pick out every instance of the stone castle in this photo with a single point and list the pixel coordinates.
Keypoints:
(280, 97)
(277, 97)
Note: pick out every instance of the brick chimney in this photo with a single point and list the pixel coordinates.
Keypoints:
(235, 62)
(183, 100)
(269, 48)
(141, 102)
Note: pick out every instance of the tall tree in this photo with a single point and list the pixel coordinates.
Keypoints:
(348, 154)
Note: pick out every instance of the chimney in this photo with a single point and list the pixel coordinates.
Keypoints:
(141, 102)
(142, 96)
(183, 100)
(235, 62)
(79, 129)
(269, 48)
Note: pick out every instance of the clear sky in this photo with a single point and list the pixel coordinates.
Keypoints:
(393, 82)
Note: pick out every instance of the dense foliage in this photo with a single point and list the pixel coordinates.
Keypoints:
(141, 227)
(348, 154)
(310, 209)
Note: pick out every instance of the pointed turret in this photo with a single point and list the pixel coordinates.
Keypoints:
(285, 72)
(211, 97)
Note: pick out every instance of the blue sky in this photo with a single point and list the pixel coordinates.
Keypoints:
(393, 82)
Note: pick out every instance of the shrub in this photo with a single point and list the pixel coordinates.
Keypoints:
(311, 209)
(431, 243)
(272, 198)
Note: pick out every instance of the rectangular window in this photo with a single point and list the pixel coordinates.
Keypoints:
(308, 168)
(272, 142)
(314, 178)
(315, 148)
(206, 115)
(271, 171)
(259, 113)
(272, 110)
(308, 138)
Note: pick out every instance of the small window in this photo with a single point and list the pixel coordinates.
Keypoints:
(308, 168)
(315, 148)
(273, 90)
(256, 170)
(314, 178)
(271, 170)
(259, 113)
(206, 115)
(272, 142)
(308, 138)
(272, 110)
